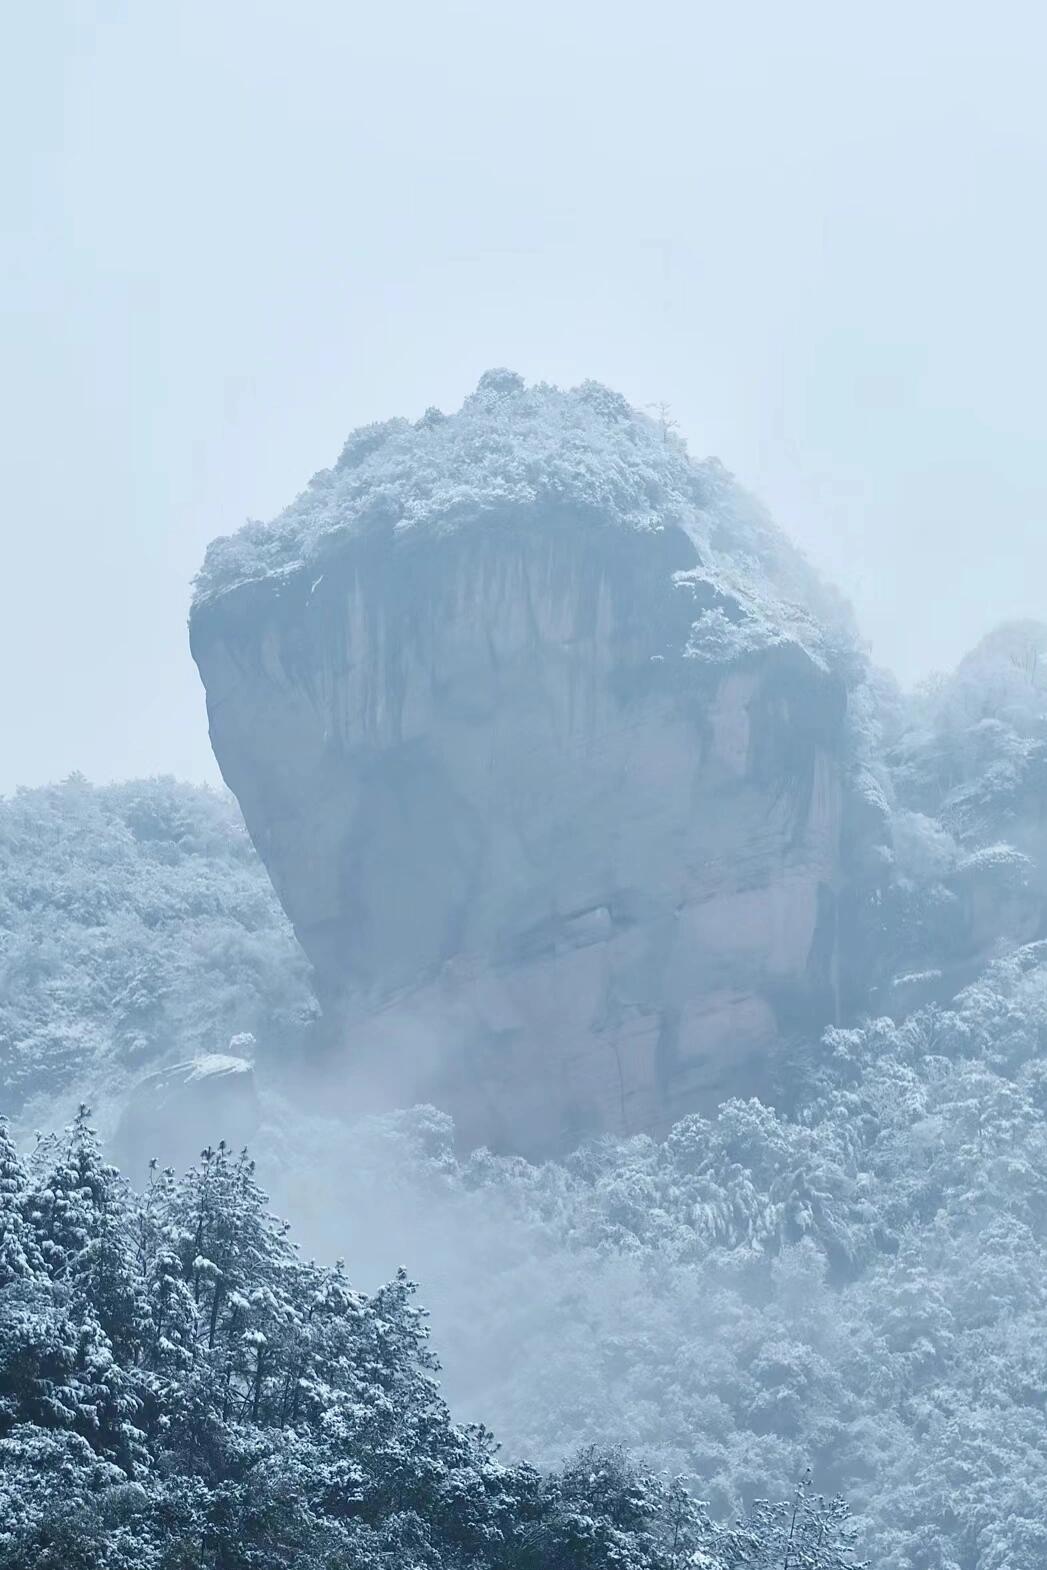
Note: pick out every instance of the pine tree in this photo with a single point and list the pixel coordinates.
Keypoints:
(19, 1256)
(180, 1391)
(84, 1220)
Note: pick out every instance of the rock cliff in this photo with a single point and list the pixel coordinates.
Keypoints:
(538, 726)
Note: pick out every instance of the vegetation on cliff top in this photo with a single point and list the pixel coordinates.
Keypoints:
(512, 449)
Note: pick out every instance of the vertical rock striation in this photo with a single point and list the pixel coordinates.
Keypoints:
(538, 727)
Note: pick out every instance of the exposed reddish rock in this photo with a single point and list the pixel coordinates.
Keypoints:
(550, 786)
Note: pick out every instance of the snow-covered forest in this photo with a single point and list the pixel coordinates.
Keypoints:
(523, 786)
(181, 1388)
(136, 920)
(660, 1334)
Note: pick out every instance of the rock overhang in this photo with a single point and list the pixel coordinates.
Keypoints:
(466, 702)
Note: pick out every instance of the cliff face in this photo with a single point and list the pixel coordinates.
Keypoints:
(547, 776)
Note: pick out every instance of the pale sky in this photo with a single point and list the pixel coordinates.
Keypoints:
(234, 229)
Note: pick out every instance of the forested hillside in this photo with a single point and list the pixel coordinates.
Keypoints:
(178, 1388)
(964, 762)
(861, 1288)
(852, 1282)
(135, 922)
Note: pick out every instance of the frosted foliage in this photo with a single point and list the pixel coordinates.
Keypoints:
(1004, 678)
(583, 454)
(923, 849)
(749, 624)
(859, 1288)
(135, 921)
(179, 1390)
(976, 741)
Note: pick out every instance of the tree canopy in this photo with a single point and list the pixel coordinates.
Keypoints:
(180, 1390)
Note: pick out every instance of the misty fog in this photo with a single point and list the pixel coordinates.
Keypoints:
(235, 232)
(523, 867)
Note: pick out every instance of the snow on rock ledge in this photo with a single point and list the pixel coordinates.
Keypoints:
(538, 727)
(177, 1110)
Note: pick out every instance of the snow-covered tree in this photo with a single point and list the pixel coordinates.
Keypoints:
(180, 1391)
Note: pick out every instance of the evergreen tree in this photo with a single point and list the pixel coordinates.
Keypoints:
(180, 1391)
(19, 1258)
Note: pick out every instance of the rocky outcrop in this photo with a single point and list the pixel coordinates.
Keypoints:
(176, 1110)
(538, 729)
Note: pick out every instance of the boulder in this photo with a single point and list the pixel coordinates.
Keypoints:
(173, 1113)
(538, 726)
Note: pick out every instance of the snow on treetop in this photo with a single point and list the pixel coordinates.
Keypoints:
(511, 449)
